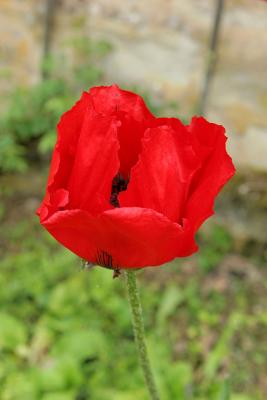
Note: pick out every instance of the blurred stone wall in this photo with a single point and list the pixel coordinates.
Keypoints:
(160, 45)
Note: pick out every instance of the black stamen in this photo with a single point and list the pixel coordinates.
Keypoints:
(119, 184)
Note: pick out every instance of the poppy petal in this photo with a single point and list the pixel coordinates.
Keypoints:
(111, 99)
(217, 168)
(135, 117)
(161, 177)
(130, 134)
(68, 132)
(128, 236)
(96, 163)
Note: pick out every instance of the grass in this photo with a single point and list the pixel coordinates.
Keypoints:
(66, 333)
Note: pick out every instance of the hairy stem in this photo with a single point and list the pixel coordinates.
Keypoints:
(139, 333)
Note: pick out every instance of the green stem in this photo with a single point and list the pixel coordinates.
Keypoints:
(139, 333)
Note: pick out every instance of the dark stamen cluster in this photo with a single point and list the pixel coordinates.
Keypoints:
(119, 184)
(104, 259)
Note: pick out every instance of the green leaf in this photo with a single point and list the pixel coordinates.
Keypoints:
(81, 344)
(177, 380)
(12, 332)
(220, 350)
(171, 299)
(60, 374)
(66, 395)
(21, 386)
(225, 390)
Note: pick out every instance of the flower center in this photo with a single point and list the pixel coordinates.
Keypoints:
(119, 184)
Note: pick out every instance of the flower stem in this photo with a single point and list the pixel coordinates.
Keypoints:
(139, 333)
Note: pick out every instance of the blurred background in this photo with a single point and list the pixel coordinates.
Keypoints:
(66, 333)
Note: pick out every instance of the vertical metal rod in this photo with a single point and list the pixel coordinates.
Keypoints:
(212, 56)
(49, 25)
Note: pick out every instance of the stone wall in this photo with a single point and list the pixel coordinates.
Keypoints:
(161, 45)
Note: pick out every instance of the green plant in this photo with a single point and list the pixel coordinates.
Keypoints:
(214, 245)
(60, 327)
(28, 124)
(11, 153)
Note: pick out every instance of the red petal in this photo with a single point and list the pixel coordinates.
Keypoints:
(68, 128)
(135, 117)
(217, 168)
(96, 163)
(57, 200)
(131, 236)
(60, 198)
(161, 177)
(130, 134)
(112, 99)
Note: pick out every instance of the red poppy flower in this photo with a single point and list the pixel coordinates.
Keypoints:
(127, 189)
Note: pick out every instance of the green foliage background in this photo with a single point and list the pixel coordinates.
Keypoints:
(28, 124)
(66, 333)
